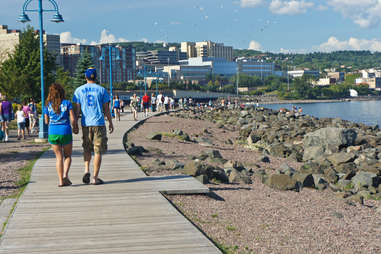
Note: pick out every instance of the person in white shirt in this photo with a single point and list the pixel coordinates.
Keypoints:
(166, 103)
(159, 102)
(20, 116)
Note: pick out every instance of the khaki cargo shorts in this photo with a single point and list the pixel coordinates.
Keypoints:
(94, 139)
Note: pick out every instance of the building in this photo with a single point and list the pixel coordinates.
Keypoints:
(70, 54)
(324, 82)
(159, 58)
(338, 76)
(256, 68)
(219, 66)
(123, 60)
(301, 73)
(373, 83)
(187, 73)
(123, 63)
(189, 48)
(9, 39)
(207, 49)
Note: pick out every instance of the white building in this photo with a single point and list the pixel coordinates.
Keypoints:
(301, 73)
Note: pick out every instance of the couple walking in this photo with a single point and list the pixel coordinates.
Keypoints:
(92, 101)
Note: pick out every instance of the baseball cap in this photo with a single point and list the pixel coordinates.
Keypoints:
(91, 73)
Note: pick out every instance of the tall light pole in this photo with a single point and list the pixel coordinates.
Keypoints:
(102, 58)
(168, 74)
(237, 79)
(57, 17)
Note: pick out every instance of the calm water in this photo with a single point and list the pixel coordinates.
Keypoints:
(367, 112)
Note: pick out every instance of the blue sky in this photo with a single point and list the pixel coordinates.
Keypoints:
(269, 25)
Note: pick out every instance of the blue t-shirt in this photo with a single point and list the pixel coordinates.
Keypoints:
(116, 104)
(91, 97)
(59, 124)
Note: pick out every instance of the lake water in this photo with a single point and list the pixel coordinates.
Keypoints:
(367, 112)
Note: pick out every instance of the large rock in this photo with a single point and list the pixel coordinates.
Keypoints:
(365, 179)
(327, 141)
(136, 150)
(306, 180)
(195, 168)
(281, 182)
(252, 139)
(236, 176)
(341, 158)
(155, 136)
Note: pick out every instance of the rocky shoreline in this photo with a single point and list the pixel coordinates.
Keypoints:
(306, 166)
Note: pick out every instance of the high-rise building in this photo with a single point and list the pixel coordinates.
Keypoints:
(207, 49)
(213, 49)
(123, 60)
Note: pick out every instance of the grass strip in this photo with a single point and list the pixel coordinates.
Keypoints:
(25, 173)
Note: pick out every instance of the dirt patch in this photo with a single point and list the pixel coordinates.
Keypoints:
(255, 218)
(16, 154)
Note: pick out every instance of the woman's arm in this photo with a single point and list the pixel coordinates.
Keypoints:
(73, 121)
(46, 119)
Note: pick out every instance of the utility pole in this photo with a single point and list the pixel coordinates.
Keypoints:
(168, 74)
(237, 79)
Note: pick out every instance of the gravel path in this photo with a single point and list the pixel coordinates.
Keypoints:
(255, 218)
(14, 155)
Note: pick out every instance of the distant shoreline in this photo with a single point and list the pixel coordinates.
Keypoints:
(276, 101)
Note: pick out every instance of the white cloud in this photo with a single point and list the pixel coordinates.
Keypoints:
(254, 45)
(365, 13)
(250, 3)
(107, 37)
(66, 37)
(334, 44)
(290, 7)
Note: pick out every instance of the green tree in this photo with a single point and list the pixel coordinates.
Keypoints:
(63, 78)
(84, 62)
(20, 73)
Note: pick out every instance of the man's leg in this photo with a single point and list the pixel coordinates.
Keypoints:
(97, 165)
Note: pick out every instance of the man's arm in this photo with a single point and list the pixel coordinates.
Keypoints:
(106, 110)
(76, 111)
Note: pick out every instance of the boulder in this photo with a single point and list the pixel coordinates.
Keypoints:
(202, 178)
(306, 180)
(281, 182)
(155, 136)
(252, 139)
(264, 158)
(136, 150)
(286, 169)
(365, 179)
(327, 141)
(341, 158)
(319, 182)
(194, 168)
(236, 176)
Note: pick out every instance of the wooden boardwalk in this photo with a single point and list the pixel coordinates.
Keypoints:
(128, 214)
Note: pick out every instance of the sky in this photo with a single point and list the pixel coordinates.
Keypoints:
(288, 26)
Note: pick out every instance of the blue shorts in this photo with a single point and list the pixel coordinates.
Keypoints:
(5, 118)
(21, 126)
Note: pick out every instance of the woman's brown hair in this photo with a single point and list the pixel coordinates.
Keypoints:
(56, 96)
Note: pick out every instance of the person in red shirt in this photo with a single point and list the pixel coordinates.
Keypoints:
(146, 104)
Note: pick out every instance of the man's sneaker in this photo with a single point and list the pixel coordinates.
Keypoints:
(6, 139)
(86, 178)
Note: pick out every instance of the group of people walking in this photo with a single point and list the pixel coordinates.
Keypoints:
(25, 115)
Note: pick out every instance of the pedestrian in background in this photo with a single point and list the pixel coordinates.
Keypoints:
(6, 114)
(59, 114)
(27, 112)
(153, 102)
(20, 118)
(33, 116)
(134, 106)
(116, 108)
(146, 104)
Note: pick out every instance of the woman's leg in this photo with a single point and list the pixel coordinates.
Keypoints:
(57, 149)
(67, 149)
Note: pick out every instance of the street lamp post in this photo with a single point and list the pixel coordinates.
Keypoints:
(57, 17)
(102, 58)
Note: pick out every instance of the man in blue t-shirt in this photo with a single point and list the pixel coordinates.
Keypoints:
(93, 101)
